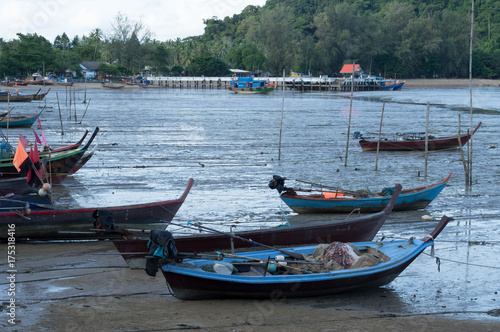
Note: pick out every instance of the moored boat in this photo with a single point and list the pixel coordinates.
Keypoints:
(363, 228)
(112, 85)
(319, 271)
(326, 199)
(416, 142)
(60, 165)
(251, 85)
(76, 223)
(23, 121)
(13, 97)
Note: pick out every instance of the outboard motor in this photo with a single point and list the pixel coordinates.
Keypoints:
(357, 135)
(103, 219)
(161, 245)
(277, 183)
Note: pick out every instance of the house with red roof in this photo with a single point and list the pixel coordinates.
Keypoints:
(348, 69)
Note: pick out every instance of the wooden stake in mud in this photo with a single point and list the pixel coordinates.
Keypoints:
(466, 172)
(60, 116)
(470, 93)
(379, 134)
(86, 108)
(282, 109)
(74, 103)
(69, 109)
(350, 111)
(85, 94)
(426, 139)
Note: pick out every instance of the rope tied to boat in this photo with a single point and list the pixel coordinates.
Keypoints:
(430, 238)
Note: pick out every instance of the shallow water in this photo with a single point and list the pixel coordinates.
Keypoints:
(152, 140)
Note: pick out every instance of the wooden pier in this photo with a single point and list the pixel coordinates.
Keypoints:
(291, 83)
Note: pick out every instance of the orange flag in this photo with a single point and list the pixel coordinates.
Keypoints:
(20, 156)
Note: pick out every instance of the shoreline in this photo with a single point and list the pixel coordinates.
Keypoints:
(409, 84)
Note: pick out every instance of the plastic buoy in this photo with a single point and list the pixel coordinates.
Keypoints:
(271, 268)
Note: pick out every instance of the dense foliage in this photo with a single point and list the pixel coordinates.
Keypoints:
(407, 38)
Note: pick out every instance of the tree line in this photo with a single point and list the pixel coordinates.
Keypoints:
(407, 38)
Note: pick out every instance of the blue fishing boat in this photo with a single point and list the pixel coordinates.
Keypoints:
(296, 272)
(251, 85)
(24, 121)
(326, 199)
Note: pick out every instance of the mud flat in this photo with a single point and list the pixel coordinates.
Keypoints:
(87, 286)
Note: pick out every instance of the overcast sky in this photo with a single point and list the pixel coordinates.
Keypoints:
(166, 19)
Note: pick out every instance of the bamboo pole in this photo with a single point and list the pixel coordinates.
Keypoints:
(282, 110)
(462, 153)
(426, 139)
(85, 94)
(379, 134)
(350, 111)
(470, 92)
(8, 114)
(69, 109)
(60, 116)
(85, 111)
(74, 103)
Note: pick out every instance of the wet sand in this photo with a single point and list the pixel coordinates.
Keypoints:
(87, 286)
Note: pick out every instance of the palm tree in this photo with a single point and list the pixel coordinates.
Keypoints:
(96, 36)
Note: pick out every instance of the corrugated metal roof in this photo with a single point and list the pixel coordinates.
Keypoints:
(348, 69)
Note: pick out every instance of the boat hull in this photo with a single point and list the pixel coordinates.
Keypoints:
(410, 199)
(188, 283)
(442, 143)
(77, 223)
(417, 145)
(265, 89)
(362, 228)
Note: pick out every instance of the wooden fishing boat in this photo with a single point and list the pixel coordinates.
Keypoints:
(327, 199)
(416, 142)
(71, 146)
(41, 96)
(20, 121)
(251, 85)
(9, 96)
(60, 166)
(14, 83)
(245, 276)
(399, 85)
(363, 228)
(14, 186)
(65, 81)
(112, 85)
(12, 98)
(76, 223)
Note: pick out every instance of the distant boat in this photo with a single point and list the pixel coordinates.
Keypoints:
(65, 81)
(251, 85)
(415, 142)
(13, 83)
(377, 83)
(138, 81)
(112, 85)
(398, 86)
